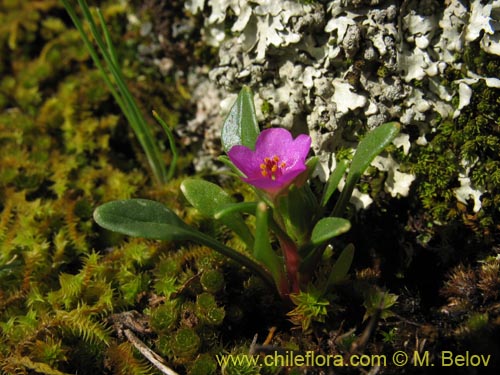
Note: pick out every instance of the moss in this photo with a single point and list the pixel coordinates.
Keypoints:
(185, 342)
(473, 137)
(477, 322)
(212, 281)
(472, 293)
(123, 360)
(207, 310)
(165, 317)
(418, 83)
(480, 62)
(65, 149)
(203, 365)
(266, 108)
(382, 71)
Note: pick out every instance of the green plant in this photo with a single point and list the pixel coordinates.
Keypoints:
(389, 337)
(378, 301)
(60, 132)
(113, 77)
(274, 165)
(185, 342)
(212, 281)
(460, 148)
(310, 307)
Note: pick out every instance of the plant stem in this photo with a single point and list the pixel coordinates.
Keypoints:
(234, 255)
(292, 262)
(289, 250)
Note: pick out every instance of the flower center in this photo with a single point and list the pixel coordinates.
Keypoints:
(272, 168)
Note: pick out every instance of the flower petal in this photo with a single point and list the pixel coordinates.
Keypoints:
(272, 143)
(280, 182)
(275, 140)
(242, 157)
(298, 150)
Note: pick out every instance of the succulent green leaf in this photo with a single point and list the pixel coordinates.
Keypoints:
(243, 207)
(263, 251)
(205, 196)
(341, 267)
(228, 163)
(324, 230)
(209, 199)
(369, 147)
(372, 145)
(142, 218)
(299, 208)
(328, 228)
(150, 219)
(240, 126)
(333, 181)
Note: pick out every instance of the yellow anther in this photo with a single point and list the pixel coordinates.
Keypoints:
(271, 167)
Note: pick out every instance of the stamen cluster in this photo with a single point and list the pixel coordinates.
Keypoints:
(271, 167)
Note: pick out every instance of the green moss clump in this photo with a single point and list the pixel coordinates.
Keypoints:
(212, 281)
(473, 140)
(382, 71)
(203, 365)
(65, 148)
(266, 108)
(207, 310)
(185, 343)
(164, 317)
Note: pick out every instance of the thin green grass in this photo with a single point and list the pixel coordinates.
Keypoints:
(114, 79)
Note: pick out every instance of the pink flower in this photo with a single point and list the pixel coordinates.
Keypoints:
(277, 160)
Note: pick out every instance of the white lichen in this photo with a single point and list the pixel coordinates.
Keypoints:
(344, 98)
(397, 183)
(316, 66)
(465, 193)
